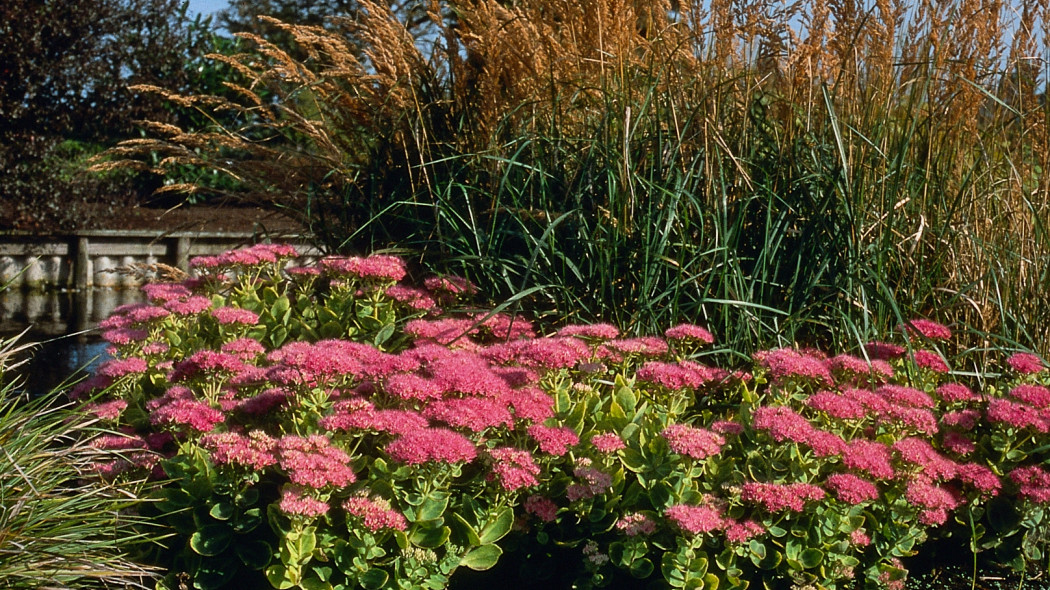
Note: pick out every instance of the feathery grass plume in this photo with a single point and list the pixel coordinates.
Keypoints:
(812, 170)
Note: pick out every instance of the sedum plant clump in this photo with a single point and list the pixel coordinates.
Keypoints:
(332, 426)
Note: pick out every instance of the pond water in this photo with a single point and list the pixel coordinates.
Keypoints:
(63, 325)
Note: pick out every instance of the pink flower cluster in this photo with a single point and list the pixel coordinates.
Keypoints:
(1033, 482)
(296, 501)
(869, 456)
(411, 386)
(983, 479)
(554, 440)
(776, 497)
(591, 481)
(935, 501)
(958, 443)
(905, 396)
(931, 360)
(119, 442)
(117, 368)
(335, 359)
(853, 369)
(357, 413)
(207, 363)
(837, 406)
(595, 332)
(375, 513)
(377, 267)
(1033, 395)
(689, 332)
(134, 313)
(1026, 363)
(929, 462)
(235, 315)
(530, 403)
(256, 450)
(188, 306)
(680, 375)
(444, 331)
(502, 327)
(514, 468)
(928, 329)
(693, 442)
(314, 462)
(786, 364)
(107, 410)
(257, 255)
(784, 423)
(708, 517)
(641, 347)
(264, 402)
(1016, 415)
(859, 538)
(740, 531)
(955, 392)
(636, 523)
(884, 351)
(413, 298)
(178, 407)
(608, 442)
(164, 292)
(727, 427)
(696, 520)
(852, 489)
(436, 445)
(541, 507)
(896, 405)
(246, 349)
(472, 413)
(124, 336)
(559, 352)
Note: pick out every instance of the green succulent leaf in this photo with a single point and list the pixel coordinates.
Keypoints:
(211, 539)
(481, 558)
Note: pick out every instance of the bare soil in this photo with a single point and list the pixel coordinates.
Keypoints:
(74, 215)
(196, 218)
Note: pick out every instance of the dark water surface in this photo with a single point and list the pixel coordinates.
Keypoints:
(64, 327)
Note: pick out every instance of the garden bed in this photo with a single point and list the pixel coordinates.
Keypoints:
(333, 425)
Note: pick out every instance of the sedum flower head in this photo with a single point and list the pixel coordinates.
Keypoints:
(696, 520)
(696, 443)
(437, 445)
(553, 440)
(514, 468)
(296, 501)
(928, 329)
(852, 489)
(689, 332)
(375, 513)
(1026, 363)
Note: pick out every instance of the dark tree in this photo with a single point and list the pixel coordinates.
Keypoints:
(241, 16)
(65, 69)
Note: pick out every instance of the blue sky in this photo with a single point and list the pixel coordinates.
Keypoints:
(207, 7)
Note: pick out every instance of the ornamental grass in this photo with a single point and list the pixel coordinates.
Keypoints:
(60, 525)
(812, 172)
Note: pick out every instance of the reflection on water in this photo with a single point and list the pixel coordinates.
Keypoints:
(60, 313)
(64, 326)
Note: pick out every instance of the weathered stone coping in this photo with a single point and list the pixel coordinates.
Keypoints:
(86, 259)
